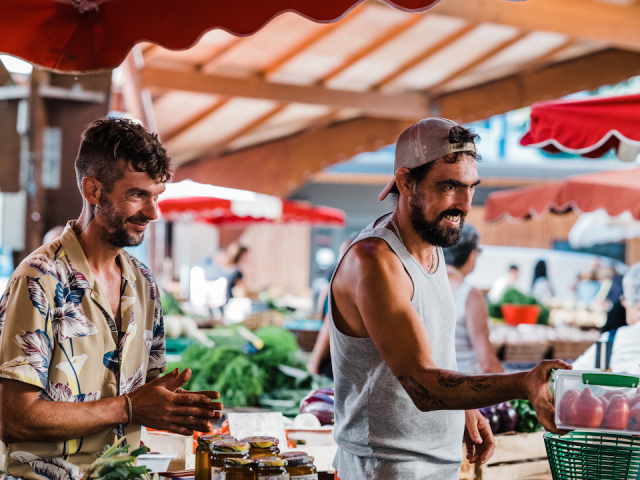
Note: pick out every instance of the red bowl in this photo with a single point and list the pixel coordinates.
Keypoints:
(517, 314)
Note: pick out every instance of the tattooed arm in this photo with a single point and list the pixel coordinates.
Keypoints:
(372, 297)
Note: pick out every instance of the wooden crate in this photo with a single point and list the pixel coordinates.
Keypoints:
(569, 350)
(525, 352)
(520, 456)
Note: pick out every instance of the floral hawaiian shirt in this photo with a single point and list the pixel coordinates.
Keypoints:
(57, 332)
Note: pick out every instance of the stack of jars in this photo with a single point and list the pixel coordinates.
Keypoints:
(254, 458)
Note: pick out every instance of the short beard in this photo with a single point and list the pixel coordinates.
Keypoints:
(433, 232)
(114, 231)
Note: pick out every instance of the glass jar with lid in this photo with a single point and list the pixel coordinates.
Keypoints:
(225, 449)
(263, 446)
(238, 469)
(203, 467)
(300, 466)
(271, 468)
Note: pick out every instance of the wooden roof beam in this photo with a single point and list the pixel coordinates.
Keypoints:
(375, 104)
(279, 167)
(584, 19)
(434, 89)
(421, 57)
(554, 81)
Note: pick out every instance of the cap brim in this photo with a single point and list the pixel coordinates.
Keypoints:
(387, 189)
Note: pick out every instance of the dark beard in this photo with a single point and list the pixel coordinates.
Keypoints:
(114, 231)
(432, 232)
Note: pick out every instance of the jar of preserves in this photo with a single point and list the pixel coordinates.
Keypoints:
(225, 449)
(263, 446)
(271, 468)
(238, 469)
(300, 466)
(203, 467)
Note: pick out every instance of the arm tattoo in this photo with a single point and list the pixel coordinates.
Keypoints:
(421, 397)
(454, 380)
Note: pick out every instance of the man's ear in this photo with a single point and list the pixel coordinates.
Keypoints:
(91, 190)
(403, 182)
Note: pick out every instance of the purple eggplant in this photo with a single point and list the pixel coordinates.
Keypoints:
(491, 415)
(320, 405)
(508, 417)
(322, 391)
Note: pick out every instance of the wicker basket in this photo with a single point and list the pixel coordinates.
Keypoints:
(569, 350)
(525, 352)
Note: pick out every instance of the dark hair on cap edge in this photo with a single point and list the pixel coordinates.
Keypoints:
(109, 145)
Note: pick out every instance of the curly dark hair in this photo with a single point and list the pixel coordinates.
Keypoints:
(457, 135)
(109, 145)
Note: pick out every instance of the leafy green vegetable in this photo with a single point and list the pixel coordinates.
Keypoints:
(116, 463)
(515, 297)
(242, 378)
(170, 304)
(527, 418)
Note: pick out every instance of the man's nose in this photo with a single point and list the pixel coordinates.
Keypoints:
(150, 210)
(464, 201)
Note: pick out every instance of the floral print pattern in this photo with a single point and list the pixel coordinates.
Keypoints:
(57, 333)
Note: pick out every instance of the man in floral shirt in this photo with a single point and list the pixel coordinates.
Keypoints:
(81, 330)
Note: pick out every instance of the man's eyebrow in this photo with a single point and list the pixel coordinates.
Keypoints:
(138, 190)
(458, 183)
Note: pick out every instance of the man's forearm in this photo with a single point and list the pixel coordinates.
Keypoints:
(436, 389)
(46, 421)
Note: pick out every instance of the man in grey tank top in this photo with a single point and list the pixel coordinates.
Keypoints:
(401, 409)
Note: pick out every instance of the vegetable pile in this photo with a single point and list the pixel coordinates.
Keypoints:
(244, 375)
(116, 463)
(612, 410)
(514, 416)
(515, 297)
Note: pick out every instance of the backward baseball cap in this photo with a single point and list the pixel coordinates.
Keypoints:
(424, 142)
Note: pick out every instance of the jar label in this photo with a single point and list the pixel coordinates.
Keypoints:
(279, 476)
(313, 476)
(215, 473)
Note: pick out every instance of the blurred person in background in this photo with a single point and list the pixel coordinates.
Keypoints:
(610, 287)
(541, 288)
(502, 284)
(238, 255)
(320, 360)
(474, 352)
(587, 287)
(625, 341)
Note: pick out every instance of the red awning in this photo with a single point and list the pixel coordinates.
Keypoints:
(88, 35)
(588, 127)
(616, 191)
(226, 206)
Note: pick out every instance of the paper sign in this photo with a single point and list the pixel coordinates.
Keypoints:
(269, 424)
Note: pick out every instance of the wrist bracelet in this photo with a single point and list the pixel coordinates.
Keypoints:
(130, 409)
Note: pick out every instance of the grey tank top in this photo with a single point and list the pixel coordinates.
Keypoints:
(380, 432)
(466, 357)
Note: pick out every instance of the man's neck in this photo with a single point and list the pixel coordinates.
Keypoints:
(422, 251)
(100, 256)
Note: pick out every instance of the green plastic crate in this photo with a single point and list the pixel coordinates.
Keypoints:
(593, 456)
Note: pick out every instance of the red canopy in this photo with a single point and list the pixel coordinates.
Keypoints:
(588, 127)
(86, 35)
(616, 191)
(227, 206)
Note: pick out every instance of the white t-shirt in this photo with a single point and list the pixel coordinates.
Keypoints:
(626, 352)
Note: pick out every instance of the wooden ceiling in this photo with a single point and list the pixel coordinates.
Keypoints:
(229, 97)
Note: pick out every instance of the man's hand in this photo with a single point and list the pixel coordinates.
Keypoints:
(164, 405)
(536, 385)
(478, 437)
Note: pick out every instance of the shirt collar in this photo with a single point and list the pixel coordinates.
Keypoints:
(79, 263)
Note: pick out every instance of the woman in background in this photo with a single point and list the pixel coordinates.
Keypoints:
(238, 256)
(541, 286)
(474, 352)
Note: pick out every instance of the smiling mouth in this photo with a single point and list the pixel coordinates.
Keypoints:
(453, 218)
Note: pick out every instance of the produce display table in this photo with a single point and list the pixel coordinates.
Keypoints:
(520, 456)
